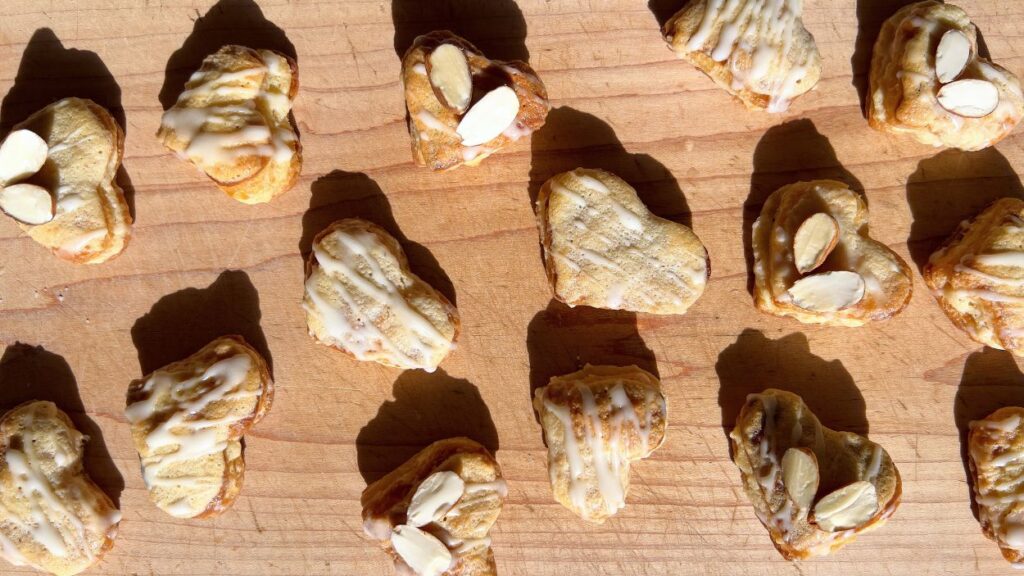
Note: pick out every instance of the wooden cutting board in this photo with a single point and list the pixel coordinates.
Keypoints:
(201, 265)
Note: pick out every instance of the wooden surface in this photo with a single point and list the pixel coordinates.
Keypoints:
(201, 265)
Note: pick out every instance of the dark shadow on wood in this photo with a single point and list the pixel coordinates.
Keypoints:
(125, 183)
(30, 373)
(665, 9)
(871, 14)
(496, 27)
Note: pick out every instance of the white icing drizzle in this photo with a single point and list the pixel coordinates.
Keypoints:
(433, 123)
(78, 244)
(999, 491)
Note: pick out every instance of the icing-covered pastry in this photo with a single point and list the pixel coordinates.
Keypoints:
(362, 298)
(58, 171)
(463, 107)
(995, 446)
(928, 81)
(187, 421)
(814, 261)
(433, 514)
(813, 488)
(604, 248)
(978, 276)
(596, 422)
(233, 123)
(52, 516)
(758, 51)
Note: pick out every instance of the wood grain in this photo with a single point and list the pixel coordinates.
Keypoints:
(201, 264)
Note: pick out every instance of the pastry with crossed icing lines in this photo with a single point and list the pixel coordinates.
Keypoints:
(995, 447)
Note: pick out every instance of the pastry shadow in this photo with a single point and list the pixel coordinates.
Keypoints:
(227, 22)
(30, 373)
(496, 27)
(951, 187)
(665, 9)
(181, 323)
(427, 407)
(340, 195)
(871, 14)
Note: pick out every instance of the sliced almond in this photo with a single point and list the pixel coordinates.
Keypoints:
(423, 552)
(969, 98)
(449, 75)
(22, 154)
(489, 117)
(828, 292)
(847, 507)
(952, 55)
(27, 203)
(814, 241)
(800, 476)
(434, 497)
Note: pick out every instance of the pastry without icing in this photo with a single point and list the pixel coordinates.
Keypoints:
(814, 260)
(187, 421)
(58, 170)
(978, 276)
(362, 298)
(757, 51)
(813, 488)
(928, 81)
(995, 446)
(463, 107)
(433, 514)
(596, 422)
(603, 248)
(52, 516)
(232, 122)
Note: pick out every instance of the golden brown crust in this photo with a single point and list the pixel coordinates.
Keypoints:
(995, 447)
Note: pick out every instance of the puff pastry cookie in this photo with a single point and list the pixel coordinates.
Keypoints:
(232, 122)
(463, 107)
(603, 248)
(187, 421)
(995, 446)
(52, 516)
(434, 513)
(362, 299)
(814, 261)
(757, 51)
(813, 488)
(596, 422)
(978, 276)
(58, 170)
(928, 81)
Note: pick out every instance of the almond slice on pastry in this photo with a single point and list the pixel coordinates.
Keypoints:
(433, 514)
(187, 421)
(596, 422)
(362, 298)
(813, 488)
(232, 122)
(995, 446)
(52, 516)
(604, 248)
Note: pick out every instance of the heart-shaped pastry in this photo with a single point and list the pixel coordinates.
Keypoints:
(814, 260)
(52, 516)
(603, 248)
(995, 446)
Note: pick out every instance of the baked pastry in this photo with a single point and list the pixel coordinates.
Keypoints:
(814, 260)
(604, 248)
(463, 107)
(362, 299)
(813, 488)
(928, 81)
(757, 51)
(58, 171)
(188, 419)
(978, 276)
(233, 123)
(52, 516)
(596, 422)
(995, 447)
(434, 513)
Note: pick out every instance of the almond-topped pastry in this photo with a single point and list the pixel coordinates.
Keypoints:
(928, 81)
(233, 123)
(362, 298)
(596, 422)
(604, 248)
(434, 513)
(758, 51)
(58, 171)
(813, 488)
(978, 276)
(52, 516)
(814, 261)
(995, 446)
(463, 107)
(188, 419)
